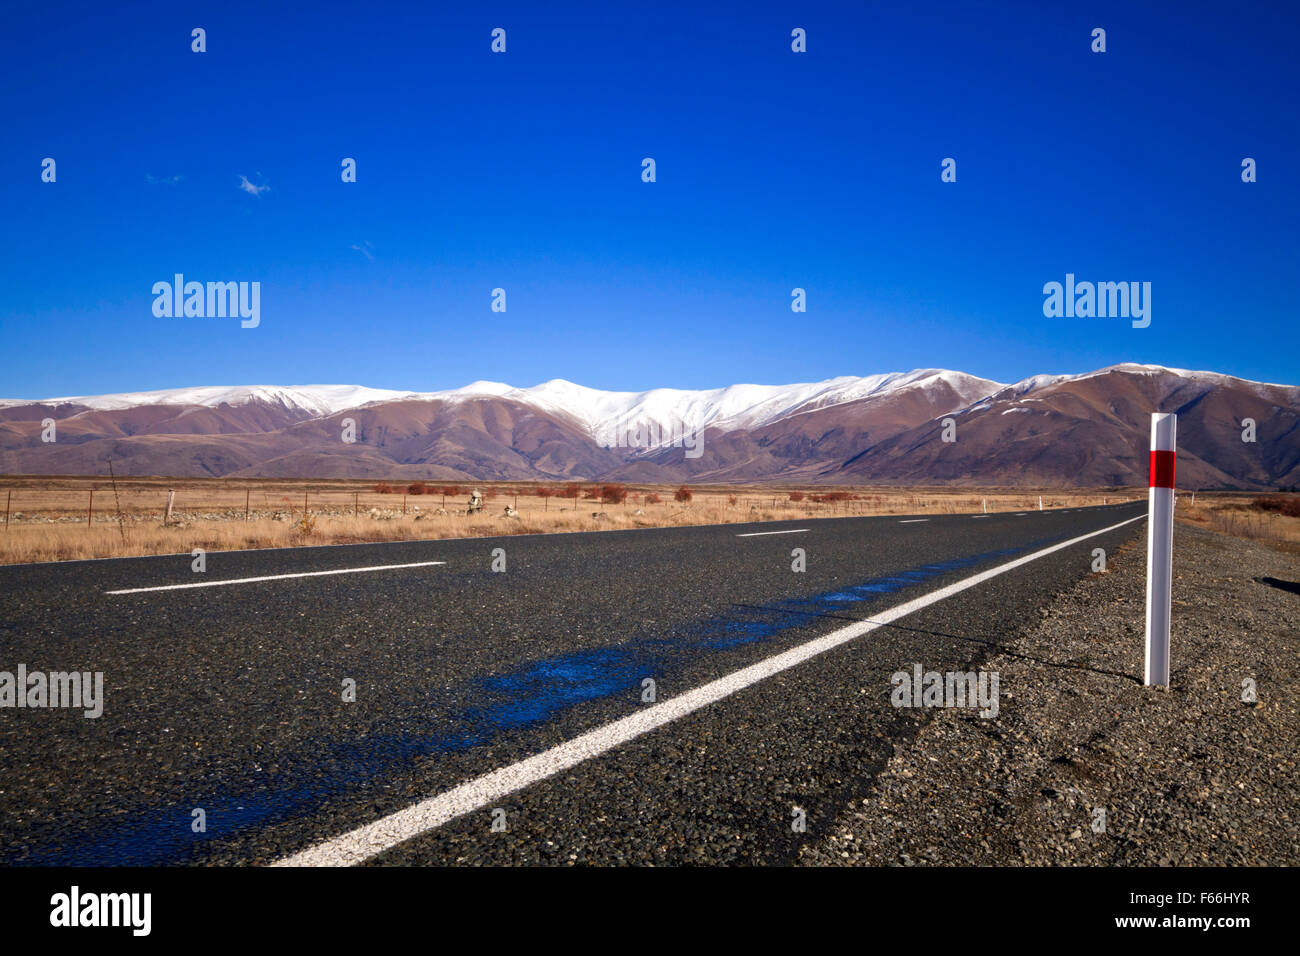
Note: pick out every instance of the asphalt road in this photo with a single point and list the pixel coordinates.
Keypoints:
(229, 699)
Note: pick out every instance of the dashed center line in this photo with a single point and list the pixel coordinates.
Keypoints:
(759, 534)
(275, 577)
(374, 838)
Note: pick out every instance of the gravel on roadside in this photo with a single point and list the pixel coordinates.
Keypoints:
(1082, 764)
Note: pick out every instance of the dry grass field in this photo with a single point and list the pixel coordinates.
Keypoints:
(1271, 519)
(68, 518)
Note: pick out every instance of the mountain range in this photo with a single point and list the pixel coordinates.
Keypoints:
(1083, 430)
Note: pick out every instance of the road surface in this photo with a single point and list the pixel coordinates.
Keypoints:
(472, 687)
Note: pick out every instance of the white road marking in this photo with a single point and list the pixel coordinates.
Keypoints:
(759, 534)
(275, 577)
(1020, 514)
(979, 516)
(912, 520)
(374, 838)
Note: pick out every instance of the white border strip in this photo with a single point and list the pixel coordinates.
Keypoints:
(275, 577)
(759, 534)
(374, 838)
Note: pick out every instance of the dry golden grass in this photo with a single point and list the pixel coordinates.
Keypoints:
(47, 520)
(1240, 515)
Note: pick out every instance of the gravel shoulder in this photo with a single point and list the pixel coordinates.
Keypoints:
(1190, 776)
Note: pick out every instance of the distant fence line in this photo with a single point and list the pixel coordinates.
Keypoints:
(108, 503)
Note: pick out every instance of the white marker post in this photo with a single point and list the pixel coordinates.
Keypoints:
(1160, 547)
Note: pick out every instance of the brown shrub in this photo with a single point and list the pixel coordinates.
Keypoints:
(1288, 505)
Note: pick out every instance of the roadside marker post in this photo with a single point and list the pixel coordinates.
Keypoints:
(1160, 547)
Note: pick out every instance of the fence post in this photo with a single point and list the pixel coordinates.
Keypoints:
(247, 493)
(8, 500)
(1160, 546)
(90, 506)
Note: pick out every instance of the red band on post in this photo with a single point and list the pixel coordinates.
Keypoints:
(1162, 469)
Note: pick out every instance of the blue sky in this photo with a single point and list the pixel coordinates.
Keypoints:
(522, 170)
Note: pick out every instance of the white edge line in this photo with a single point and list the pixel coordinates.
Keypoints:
(912, 520)
(759, 534)
(369, 840)
(274, 577)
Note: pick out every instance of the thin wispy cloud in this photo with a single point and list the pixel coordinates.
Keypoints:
(251, 188)
(162, 180)
(365, 250)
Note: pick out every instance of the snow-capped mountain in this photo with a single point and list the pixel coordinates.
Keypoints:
(1089, 428)
(312, 399)
(734, 406)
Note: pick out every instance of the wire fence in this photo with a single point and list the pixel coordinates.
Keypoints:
(135, 503)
